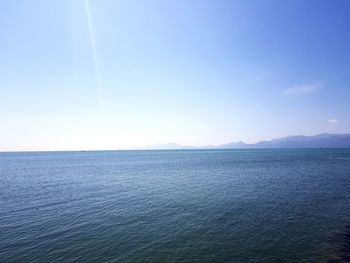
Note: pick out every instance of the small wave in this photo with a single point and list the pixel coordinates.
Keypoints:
(339, 158)
(341, 244)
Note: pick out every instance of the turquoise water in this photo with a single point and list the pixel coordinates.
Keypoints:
(175, 206)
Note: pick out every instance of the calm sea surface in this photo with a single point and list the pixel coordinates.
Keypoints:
(175, 206)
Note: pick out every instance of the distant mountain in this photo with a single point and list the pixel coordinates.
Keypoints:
(233, 145)
(324, 140)
(163, 146)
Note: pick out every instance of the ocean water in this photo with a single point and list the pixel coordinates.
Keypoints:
(175, 206)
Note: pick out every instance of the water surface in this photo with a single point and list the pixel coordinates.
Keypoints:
(175, 206)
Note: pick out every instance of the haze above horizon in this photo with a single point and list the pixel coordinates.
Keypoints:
(107, 74)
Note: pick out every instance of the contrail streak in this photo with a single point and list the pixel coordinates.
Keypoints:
(94, 53)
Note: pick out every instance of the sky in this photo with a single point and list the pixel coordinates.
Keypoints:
(111, 74)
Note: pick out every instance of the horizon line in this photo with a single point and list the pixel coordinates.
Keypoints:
(191, 147)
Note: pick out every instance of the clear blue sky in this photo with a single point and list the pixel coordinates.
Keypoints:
(107, 74)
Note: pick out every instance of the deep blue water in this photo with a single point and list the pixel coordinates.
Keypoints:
(175, 206)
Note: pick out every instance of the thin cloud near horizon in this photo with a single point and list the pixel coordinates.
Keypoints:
(302, 89)
(333, 121)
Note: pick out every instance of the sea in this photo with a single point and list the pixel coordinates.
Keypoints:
(266, 205)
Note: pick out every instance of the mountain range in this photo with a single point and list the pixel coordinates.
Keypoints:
(324, 140)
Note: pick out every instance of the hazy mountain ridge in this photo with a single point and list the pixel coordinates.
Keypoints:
(324, 140)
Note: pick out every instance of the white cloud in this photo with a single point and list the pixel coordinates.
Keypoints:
(302, 89)
(333, 121)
